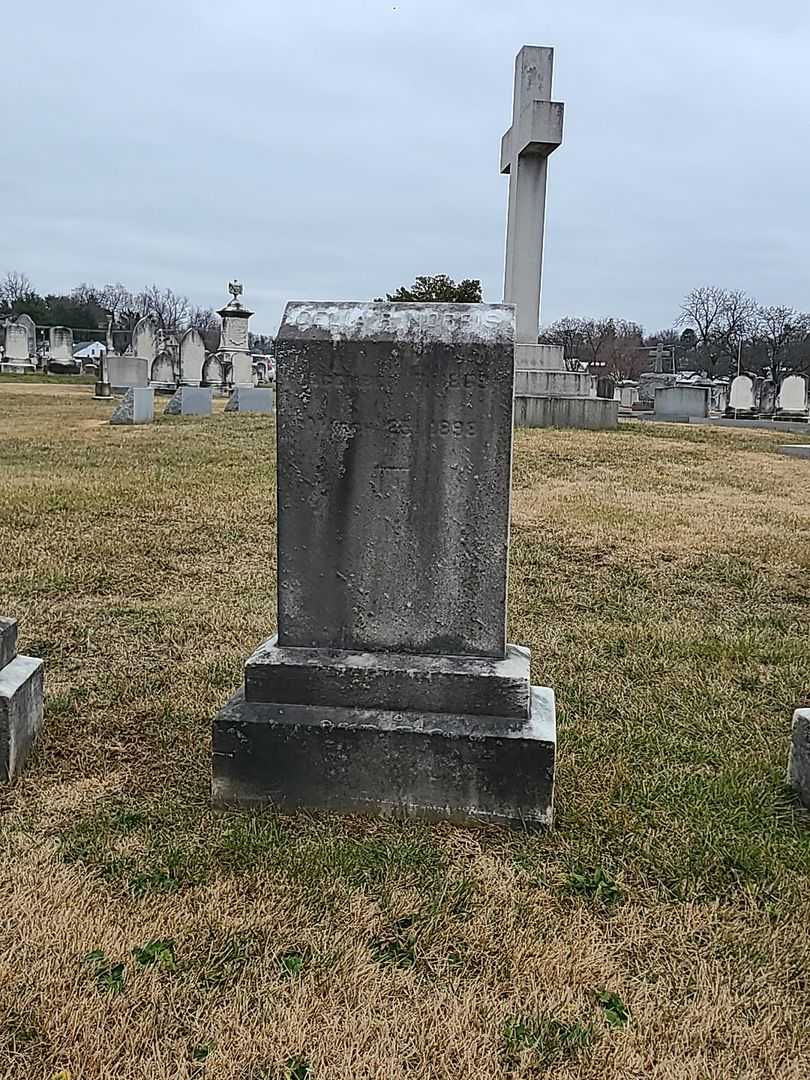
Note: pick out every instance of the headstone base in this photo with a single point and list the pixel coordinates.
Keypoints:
(253, 399)
(438, 766)
(13, 367)
(137, 407)
(799, 761)
(190, 401)
(589, 413)
(21, 702)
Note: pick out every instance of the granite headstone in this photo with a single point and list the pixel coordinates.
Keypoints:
(390, 686)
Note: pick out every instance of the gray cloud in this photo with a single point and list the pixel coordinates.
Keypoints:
(336, 150)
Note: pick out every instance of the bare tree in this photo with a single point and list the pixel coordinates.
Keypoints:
(116, 299)
(723, 321)
(208, 323)
(782, 331)
(169, 308)
(735, 326)
(566, 332)
(701, 310)
(14, 287)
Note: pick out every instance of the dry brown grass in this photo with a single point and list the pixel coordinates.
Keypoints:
(660, 576)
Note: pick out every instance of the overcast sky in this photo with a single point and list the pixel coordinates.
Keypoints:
(336, 149)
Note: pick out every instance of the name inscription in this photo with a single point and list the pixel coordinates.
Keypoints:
(445, 323)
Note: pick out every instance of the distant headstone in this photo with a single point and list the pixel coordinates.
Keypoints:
(190, 401)
(163, 375)
(60, 353)
(798, 776)
(31, 330)
(21, 702)
(16, 360)
(251, 399)
(741, 398)
(126, 371)
(213, 375)
(390, 686)
(192, 357)
(137, 407)
(793, 395)
(144, 340)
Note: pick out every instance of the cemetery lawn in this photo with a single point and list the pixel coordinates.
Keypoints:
(660, 575)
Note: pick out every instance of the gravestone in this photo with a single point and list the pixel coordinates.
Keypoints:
(213, 375)
(144, 340)
(31, 330)
(741, 398)
(192, 357)
(250, 399)
(21, 702)
(793, 397)
(16, 360)
(798, 777)
(126, 371)
(137, 406)
(163, 375)
(190, 401)
(60, 354)
(390, 686)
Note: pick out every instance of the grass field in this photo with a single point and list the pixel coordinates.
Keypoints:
(661, 929)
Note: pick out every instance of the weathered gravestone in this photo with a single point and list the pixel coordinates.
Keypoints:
(60, 353)
(798, 777)
(192, 357)
(21, 702)
(31, 330)
(390, 686)
(741, 398)
(16, 359)
(144, 340)
(793, 396)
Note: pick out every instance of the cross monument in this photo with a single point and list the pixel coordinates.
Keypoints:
(536, 132)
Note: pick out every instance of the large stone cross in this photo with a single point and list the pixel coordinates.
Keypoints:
(536, 131)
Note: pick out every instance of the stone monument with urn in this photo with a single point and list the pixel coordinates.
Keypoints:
(234, 350)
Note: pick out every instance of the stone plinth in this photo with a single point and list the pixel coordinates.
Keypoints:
(190, 401)
(539, 358)
(8, 641)
(21, 702)
(799, 450)
(798, 776)
(547, 383)
(681, 401)
(137, 407)
(390, 686)
(251, 399)
(589, 413)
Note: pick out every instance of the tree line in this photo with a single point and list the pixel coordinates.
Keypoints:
(87, 308)
(716, 330)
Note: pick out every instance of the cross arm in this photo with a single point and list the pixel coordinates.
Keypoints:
(539, 130)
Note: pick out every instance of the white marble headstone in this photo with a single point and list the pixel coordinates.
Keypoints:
(192, 357)
(144, 339)
(16, 343)
(741, 397)
(30, 328)
(61, 343)
(793, 394)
